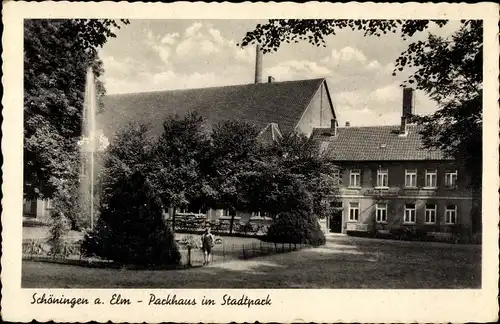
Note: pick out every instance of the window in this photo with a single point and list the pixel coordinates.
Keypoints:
(382, 178)
(229, 212)
(410, 213)
(431, 178)
(411, 178)
(381, 213)
(450, 214)
(353, 211)
(355, 178)
(430, 213)
(450, 179)
(256, 214)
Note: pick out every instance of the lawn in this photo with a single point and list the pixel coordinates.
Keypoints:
(344, 262)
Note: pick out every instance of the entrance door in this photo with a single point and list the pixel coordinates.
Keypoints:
(336, 221)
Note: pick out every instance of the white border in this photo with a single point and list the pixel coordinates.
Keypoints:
(288, 305)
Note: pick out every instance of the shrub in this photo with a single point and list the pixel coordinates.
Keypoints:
(298, 227)
(131, 229)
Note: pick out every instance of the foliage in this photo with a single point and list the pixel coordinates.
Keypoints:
(270, 188)
(277, 31)
(177, 163)
(57, 54)
(191, 242)
(296, 226)
(131, 228)
(300, 156)
(58, 231)
(234, 148)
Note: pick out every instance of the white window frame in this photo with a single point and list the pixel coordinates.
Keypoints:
(448, 176)
(256, 214)
(408, 211)
(380, 175)
(381, 213)
(351, 209)
(429, 212)
(447, 215)
(430, 173)
(357, 174)
(412, 173)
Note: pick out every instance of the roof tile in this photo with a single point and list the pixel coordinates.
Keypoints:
(258, 104)
(376, 143)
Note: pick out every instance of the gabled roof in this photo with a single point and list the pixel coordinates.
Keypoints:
(377, 143)
(270, 133)
(258, 104)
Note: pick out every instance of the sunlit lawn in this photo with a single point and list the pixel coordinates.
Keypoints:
(344, 262)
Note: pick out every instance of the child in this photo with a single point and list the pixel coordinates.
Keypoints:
(207, 243)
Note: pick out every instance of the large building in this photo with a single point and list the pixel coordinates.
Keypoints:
(390, 180)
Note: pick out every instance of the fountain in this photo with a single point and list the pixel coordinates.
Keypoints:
(88, 148)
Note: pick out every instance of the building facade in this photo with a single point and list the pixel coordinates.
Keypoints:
(390, 181)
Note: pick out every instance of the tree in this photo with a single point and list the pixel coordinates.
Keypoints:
(234, 148)
(301, 156)
(131, 228)
(57, 54)
(181, 152)
(296, 227)
(449, 70)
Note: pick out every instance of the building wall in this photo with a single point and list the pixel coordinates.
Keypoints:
(318, 113)
(38, 209)
(397, 195)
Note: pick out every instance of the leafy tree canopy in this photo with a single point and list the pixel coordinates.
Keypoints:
(57, 54)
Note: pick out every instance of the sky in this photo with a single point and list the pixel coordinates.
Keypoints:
(155, 55)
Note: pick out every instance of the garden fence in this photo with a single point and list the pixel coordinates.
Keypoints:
(71, 252)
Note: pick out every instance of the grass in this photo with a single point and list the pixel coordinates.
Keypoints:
(344, 262)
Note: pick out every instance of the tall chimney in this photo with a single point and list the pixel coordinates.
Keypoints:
(258, 64)
(347, 124)
(408, 100)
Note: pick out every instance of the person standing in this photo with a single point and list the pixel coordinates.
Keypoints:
(207, 243)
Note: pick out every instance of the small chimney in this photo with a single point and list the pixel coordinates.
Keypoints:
(347, 124)
(258, 64)
(333, 126)
(270, 79)
(408, 109)
(404, 125)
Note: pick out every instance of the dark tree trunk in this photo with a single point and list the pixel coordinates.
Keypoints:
(173, 220)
